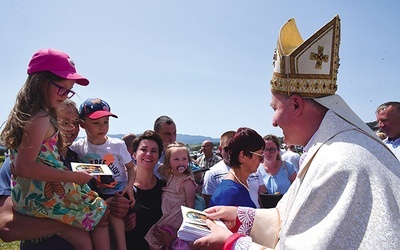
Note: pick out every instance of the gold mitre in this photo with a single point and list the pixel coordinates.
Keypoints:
(308, 68)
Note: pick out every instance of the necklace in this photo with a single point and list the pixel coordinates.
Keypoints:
(241, 183)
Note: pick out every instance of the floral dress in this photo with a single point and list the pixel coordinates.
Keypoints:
(67, 202)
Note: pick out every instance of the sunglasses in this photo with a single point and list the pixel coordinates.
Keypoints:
(259, 155)
(63, 91)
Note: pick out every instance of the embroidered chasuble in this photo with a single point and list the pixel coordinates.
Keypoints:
(346, 196)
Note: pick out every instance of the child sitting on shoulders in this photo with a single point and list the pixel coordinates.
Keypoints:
(98, 148)
(179, 191)
(43, 186)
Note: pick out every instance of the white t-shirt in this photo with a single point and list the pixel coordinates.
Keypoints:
(293, 158)
(160, 161)
(216, 174)
(113, 153)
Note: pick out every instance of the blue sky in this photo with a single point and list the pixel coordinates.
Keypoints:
(207, 64)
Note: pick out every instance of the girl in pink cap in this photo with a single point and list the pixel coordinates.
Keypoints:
(42, 185)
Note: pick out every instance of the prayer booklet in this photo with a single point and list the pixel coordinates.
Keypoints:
(93, 169)
(194, 224)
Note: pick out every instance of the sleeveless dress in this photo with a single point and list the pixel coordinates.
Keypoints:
(280, 182)
(67, 202)
(172, 200)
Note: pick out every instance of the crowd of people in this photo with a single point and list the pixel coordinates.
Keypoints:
(341, 191)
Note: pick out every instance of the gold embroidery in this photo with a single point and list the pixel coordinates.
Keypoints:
(295, 70)
(319, 57)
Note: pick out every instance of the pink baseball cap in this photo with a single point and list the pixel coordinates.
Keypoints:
(58, 63)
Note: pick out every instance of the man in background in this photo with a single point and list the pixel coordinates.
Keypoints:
(208, 158)
(128, 139)
(165, 127)
(292, 156)
(388, 118)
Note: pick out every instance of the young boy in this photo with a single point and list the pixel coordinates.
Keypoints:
(98, 148)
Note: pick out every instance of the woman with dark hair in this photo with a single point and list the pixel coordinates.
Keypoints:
(147, 150)
(245, 151)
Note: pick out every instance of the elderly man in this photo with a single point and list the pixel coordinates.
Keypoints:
(388, 118)
(208, 158)
(346, 195)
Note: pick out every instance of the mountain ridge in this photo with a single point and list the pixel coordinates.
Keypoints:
(184, 138)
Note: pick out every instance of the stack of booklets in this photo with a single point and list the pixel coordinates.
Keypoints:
(194, 224)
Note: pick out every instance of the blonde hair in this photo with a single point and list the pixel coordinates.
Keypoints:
(165, 168)
(66, 106)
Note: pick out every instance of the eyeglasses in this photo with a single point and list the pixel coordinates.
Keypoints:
(271, 150)
(69, 123)
(259, 155)
(63, 91)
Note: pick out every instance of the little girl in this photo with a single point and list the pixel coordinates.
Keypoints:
(179, 191)
(42, 185)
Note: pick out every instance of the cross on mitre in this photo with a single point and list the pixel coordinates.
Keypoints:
(319, 57)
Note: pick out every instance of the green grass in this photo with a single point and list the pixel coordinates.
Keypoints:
(9, 246)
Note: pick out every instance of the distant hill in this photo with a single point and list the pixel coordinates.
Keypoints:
(195, 139)
(187, 139)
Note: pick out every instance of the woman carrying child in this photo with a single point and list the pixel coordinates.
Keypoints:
(179, 191)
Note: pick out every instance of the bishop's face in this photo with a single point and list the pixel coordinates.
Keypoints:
(283, 116)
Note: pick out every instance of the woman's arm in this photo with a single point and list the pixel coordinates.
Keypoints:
(293, 177)
(290, 169)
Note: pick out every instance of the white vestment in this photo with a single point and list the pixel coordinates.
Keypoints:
(346, 196)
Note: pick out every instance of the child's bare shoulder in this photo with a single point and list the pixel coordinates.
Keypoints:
(189, 183)
(40, 120)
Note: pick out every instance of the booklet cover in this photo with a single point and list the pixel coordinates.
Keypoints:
(194, 224)
(93, 169)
